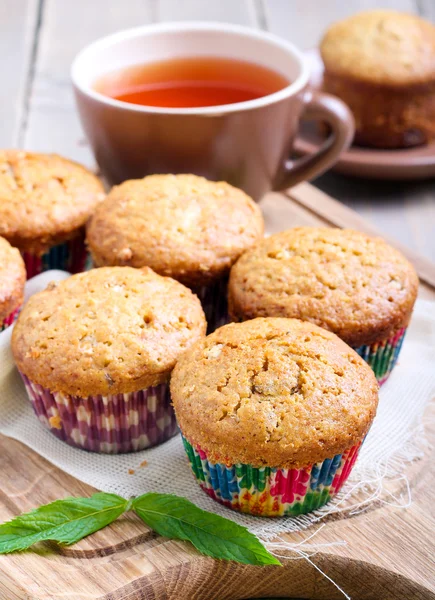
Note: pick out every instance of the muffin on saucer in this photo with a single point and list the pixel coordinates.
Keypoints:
(12, 280)
(273, 412)
(382, 64)
(182, 226)
(45, 201)
(356, 286)
(96, 351)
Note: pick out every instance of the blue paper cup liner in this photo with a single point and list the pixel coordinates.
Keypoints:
(271, 492)
(382, 356)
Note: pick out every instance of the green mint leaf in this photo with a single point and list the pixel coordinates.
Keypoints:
(65, 521)
(175, 517)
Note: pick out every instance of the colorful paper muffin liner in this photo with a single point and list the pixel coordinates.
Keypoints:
(271, 492)
(214, 303)
(107, 424)
(382, 356)
(70, 256)
(10, 319)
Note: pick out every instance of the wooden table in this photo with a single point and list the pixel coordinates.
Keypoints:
(39, 38)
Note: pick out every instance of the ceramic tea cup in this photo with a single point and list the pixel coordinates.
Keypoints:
(248, 144)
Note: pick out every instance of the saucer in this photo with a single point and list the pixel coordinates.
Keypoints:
(371, 163)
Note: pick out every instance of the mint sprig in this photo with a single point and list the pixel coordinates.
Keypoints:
(64, 521)
(70, 520)
(175, 517)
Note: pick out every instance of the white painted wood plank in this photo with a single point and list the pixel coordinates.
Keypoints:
(426, 8)
(18, 19)
(304, 21)
(67, 26)
(403, 210)
(420, 216)
(232, 11)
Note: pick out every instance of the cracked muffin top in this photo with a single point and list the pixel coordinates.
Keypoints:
(12, 279)
(44, 199)
(107, 331)
(356, 286)
(385, 47)
(182, 226)
(273, 392)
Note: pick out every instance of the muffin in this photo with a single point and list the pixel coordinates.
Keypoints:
(273, 412)
(96, 350)
(45, 201)
(182, 226)
(382, 64)
(358, 287)
(12, 279)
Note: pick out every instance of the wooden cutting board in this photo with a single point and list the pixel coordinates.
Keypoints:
(389, 552)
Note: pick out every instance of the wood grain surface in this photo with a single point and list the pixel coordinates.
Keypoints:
(19, 22)
(388, 553)
(39, 38)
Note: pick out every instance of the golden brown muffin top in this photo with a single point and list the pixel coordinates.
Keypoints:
(107, 331)
(381, 47)
(183, 226)
(273, 392)
(12, 279)
(356, 286)
(44, 198)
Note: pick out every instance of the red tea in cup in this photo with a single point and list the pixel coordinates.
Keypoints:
(191, 82)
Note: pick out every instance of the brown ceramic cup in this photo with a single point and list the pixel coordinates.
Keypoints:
(247, 144)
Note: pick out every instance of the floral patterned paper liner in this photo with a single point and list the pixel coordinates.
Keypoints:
(382, 356)
(272, 492)
(70, 256)
(214, 303)
(108, 424)
(10, 319)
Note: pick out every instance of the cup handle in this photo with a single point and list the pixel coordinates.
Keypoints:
(322, 107)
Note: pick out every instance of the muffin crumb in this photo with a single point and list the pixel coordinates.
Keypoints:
(55, 422)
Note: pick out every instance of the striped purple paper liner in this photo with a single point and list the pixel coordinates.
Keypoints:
(109, 424)
(214, 303)
(69, 256)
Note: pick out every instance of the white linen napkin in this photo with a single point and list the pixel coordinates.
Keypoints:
(394, 439)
